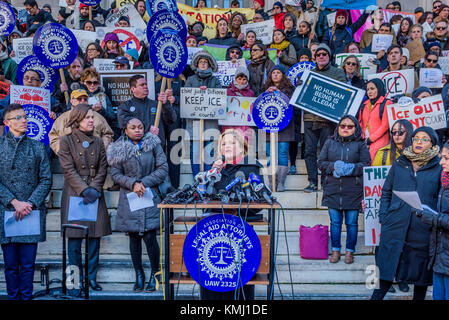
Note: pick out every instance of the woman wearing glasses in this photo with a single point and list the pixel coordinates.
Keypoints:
(351, 67)
(404, 241)
(341, 161)
(259, 68)
(431, 61)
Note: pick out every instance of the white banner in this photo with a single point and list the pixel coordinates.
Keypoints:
(238, 112)
(381, 42)
(23, 47)
(84, 38)
(226, 71)
(203, 104)
(103, 65)
(366, 61)
(30, 95)
(129, 11)
(263, 30)
(397, 82)
(431, 77)
(428, 112)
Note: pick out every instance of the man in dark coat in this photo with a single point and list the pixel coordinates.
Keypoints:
(25, 181)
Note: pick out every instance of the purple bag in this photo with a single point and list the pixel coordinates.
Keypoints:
(314, 242)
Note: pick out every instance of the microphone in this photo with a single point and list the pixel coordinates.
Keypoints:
(213, 175)
(224, 196)
(260, 188)
(177, 193)
(237, 188)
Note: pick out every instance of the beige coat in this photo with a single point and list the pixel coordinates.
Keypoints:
(101, 129)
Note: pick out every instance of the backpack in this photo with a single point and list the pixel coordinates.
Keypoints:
(347, 29)
(381, 108)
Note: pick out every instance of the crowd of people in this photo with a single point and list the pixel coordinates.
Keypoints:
(97, 141)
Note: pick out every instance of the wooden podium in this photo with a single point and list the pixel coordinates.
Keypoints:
(174, 267)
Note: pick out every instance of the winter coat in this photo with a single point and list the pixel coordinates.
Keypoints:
(83, 168)
(346, 192)
(356, 82)
(378, 127)
(25, 175)
(228, 40)
(72, 84)
(382, 157)
(107, 110)
(288, 58)
(9, 67)
(259, 74)
(130, 165)
(404, 240)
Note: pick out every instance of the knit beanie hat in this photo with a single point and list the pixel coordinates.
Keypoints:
(420, 90)
(342, 12)
(279, 4)
(432, 134)
(111, 36)
(261, 2)
(323, 46)
(242, 71)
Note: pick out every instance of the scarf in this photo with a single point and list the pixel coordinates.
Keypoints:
(204, 73)
(421, 159)
(280, 46)
(444, 179)
(3, 55)
(259, 61)
(240, 86)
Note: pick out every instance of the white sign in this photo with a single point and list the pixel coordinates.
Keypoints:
(366, 60)
(23, 47)
(129, 11)
(397, 82)
(430, 77)
(263, 30)
(191, 52)
(373, 181)
(427, 112)
(381, 42)
(226, 71)
(129, 37)
(238, 112)
(444, 64)
(331, 19)
(103, 65)
(30, 95)
(84, 38)
(203, 104)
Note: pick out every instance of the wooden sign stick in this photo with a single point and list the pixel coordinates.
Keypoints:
(273, 159)
(159, 104)
(314, 22)
(201, 145)
(90, 13)
(66, 93)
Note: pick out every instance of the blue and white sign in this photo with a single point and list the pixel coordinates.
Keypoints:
(55, 45)
(169, 57)
(296, 71)
(272, 111)
(222, 253)
(7, 19)
(48, 75)
(90, 3)
(154, 6)
(166, 19)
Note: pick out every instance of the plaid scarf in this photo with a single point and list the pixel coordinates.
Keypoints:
(444, 179)
(421, 159)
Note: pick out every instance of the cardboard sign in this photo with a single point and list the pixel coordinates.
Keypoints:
(121, 3)
(30, 95)
(23, 47)
(416, 50)
(326, 97)
(366, 61)
(84, 38)
(238, 112)
(431, 77)
(128, 10)
(203, 104)
(397, 82)
(373, 181)
(381, 42)
(129, 37)
(427, 112)
(116, 84)
(263, 30)
(226, 71)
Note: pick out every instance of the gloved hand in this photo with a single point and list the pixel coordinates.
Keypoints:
(368, 141)
(342, 168)
(427, 215)
(90, 195)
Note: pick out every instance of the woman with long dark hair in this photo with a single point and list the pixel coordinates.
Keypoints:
(259, 67)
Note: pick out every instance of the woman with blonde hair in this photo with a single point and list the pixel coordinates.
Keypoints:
(351, 67)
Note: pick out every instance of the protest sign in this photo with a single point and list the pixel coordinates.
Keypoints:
(48, 75)
(102, 65)
(348, 4)
(366, 60)
(84, 38)
(210, 16)
(388, 14)
(129, 37)
(397, 82)
(431, 77)
(226, 71)
(444, 64)
(238, 112)
(116, 84)
(191, 51)
(30, 95)
(296, 71)
(23, 47)
(381, 42)
(427, 112)
(373, 181)
(272, 112)
(444, 53)
(331, 19)
(154, 6)
(203, 104)
(165, 19)
(263, 30)
(128, 10)
(326, 97)
(7, 20)
(121, 3)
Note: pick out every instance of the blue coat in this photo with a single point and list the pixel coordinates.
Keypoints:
(402, 232)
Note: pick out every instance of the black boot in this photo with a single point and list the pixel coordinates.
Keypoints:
(153, 283)
(140, 280)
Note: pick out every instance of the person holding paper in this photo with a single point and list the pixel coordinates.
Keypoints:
(404, 241)
(25, 181)
(138, 163)
(82, 157)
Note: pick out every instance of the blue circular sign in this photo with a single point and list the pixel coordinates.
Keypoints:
(169, 57)
(39, 123)
(7, 19)
(272, 111)
(296, 71)
(221, 253)
(154, 6)
(90, 3)
(48, 75)
(166, 19)
(55, 45)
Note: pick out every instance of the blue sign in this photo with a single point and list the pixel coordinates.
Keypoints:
(296, 71)
(169, 56)
(55, 45)
(154, 6)
(90, 3)
(7, 19)
(39, 123)
(272, 111)
(166, 19)
(221, 253)
(48, 75)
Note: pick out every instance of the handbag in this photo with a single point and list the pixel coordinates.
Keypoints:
(314, 242)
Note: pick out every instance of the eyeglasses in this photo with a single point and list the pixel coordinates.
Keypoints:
(440, 28)
(437, 6)
(323, 54)
(424, 140)
(81, 99)
(92, 83)
(432, 61)
(256, 49)
(397, 133)
(349, 63)
(31, 79)
(347, 126)
(276, 7)
(234, 52)
(24, 117)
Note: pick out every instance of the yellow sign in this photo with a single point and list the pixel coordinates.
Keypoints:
(120, 3)
(210, 16)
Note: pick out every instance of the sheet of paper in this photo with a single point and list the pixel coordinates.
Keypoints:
(426, 207)
(381, 42)
(136, 203)
(78, 211)
(409, 197)
(29, 225)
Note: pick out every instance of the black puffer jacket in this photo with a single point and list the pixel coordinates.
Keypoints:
(439, 239)
(346, 192)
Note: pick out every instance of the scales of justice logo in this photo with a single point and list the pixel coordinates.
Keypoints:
(170, 52)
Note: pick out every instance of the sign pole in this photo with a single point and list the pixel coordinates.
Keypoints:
(273, 160)
(66, 93)
(201, 145)
(315, 21)
(159, 103)
(90, 13)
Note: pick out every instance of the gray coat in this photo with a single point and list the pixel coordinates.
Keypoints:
(130, 165)
(25, 175)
